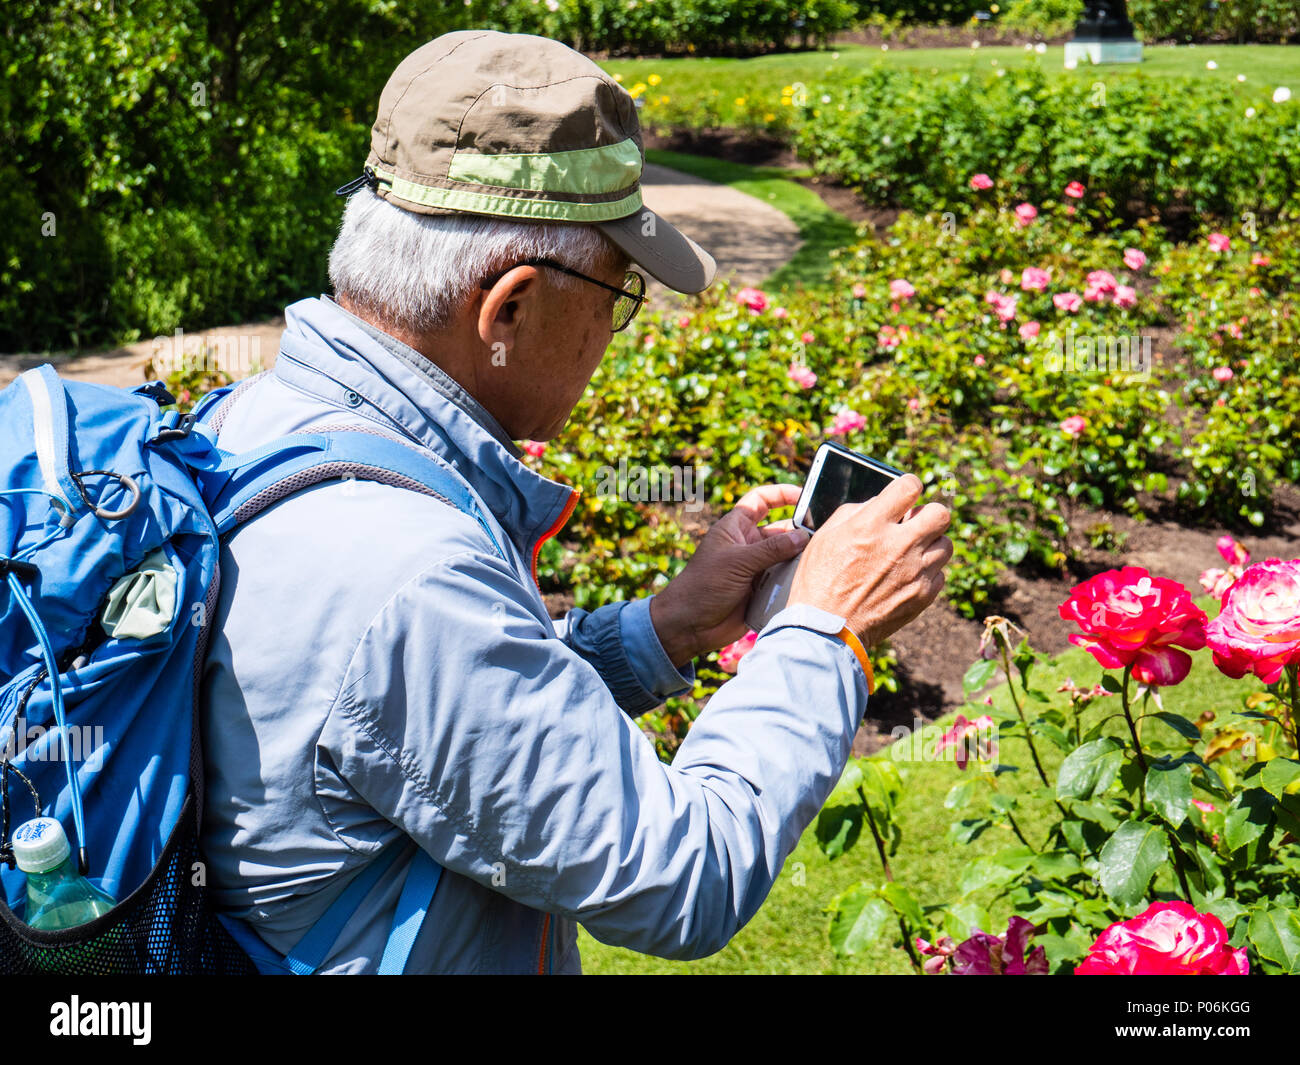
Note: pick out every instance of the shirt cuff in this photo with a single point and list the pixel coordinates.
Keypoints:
(803, 616)
(646, 655)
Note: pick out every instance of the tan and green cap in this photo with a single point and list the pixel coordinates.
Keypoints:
(522, 127)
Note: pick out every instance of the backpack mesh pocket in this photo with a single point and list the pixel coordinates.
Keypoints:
(165, 927)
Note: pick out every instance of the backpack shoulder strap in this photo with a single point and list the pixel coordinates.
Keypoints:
(269, 473)
(307, 955)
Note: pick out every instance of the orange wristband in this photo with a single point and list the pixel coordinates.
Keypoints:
(855, 645)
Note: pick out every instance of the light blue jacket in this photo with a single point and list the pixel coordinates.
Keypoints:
(377, 671)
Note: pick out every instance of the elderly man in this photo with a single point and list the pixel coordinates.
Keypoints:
(386, 688)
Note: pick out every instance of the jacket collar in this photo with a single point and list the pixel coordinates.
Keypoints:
(327, 352)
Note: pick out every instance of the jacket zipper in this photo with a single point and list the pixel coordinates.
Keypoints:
(559, 524)
(543, 961)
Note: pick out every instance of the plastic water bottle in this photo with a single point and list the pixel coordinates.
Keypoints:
(57, 895)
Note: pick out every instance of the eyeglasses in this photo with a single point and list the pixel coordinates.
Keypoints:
(630, 296)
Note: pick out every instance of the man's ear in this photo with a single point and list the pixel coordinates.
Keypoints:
(505, 307)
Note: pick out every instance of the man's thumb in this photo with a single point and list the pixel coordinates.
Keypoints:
(777, 548)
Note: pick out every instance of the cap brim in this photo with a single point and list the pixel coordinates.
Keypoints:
(662, 250)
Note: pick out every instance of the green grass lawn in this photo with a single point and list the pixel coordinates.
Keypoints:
(1265, 67)
(821, 228)
(788, 935)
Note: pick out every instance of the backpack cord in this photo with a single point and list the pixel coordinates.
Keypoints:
(6, 844)
(56, 690)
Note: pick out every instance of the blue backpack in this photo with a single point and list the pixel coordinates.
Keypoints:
(112, 513)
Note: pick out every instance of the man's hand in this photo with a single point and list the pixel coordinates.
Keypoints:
(877, 564)
(703, 607)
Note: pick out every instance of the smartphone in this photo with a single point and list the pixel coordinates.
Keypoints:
(837, 476)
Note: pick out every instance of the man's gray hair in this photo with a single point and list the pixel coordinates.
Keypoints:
(413, 269)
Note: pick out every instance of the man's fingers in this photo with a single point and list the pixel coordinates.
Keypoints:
(938, 554)
(895, 503)
(773, 528)
(931, 521)
(898, 497)
(757, 502)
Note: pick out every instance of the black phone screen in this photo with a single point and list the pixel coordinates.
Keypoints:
(842, 480)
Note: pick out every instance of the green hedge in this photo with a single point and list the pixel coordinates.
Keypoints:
(1170, 144)
(700, 27)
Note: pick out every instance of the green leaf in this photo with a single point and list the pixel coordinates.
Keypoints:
(1089, 770)
(1056, 735)
(984, 872)
(961, 918)
(859, 916)
(1111, 684)
(1278, 774)
(1130, 859)
(1056, 865)
(1063, 952)
(1276, 935)
(1226, 910)
(1095, 812)
(1169, 790)
(1179, 724)
(959, 794)
(838, 827)
(979, 674)
(1247, 817)
(903, 901)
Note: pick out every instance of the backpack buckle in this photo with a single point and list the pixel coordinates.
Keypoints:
(24, 571)
(177, 431)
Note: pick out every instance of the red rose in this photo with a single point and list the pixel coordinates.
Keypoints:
(1258, 629)
(1130, 618)
(1168, 939)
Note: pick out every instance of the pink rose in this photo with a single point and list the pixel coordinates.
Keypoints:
(901, 290)
(971, 739)
(1130, 618)
(1091, 294)
(1067, 301)
(781, 312)
(889, 337)
(1223, 373)
(859, 291)
(683, 321)
(1029, 330)
(1134, 259)
(806, 338)
(1216, 582)
(981, 181)
(1260, 260)
(1125, 296)
(1167, 939)
(847, 421)
(1233, 552)
(914, 404)
(1025, 214)
(534, 448)
(801, 375)
(1074, 425)
(1074, 190)
(1003, 306)
(1258, 629)
(729, 657)
(1219, 242)
(753, 298)
(1034, 279)
(1103, 280)
(978, 360)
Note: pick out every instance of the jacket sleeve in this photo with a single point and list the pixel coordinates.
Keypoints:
(501, 751)
(620, 642)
